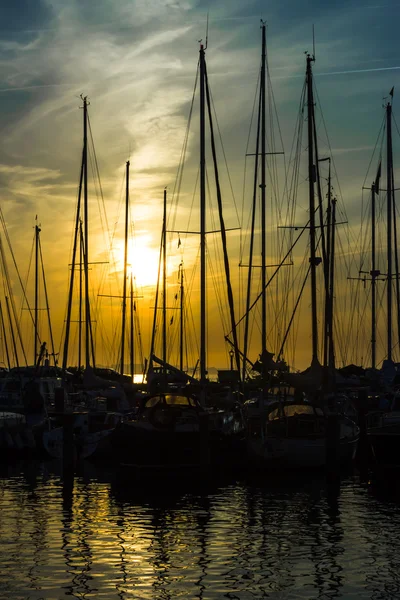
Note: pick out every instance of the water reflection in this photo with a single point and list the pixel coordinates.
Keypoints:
(104, 535)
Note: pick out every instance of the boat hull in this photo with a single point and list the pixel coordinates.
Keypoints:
(385, 445)
(298, 453)
(136, 444)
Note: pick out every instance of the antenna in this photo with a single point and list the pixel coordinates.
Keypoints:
(313, 41)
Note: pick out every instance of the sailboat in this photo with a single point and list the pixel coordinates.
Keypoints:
(97, 402)
(384, 433)
(291, 428)
(175, 428)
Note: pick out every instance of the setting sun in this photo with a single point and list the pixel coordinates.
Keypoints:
(142, 261)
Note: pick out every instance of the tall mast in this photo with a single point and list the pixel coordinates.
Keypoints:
(132, 339)
(78, 226)
(251, 249)
(331, 353)
(389, 152)
(182, 316)
(86, 236)
(373, 279)
(327, 262)
(223, 231)
(311, 181)
(36, 310)
(81, 271)
(263, 206)
(203, 294)
(164, 304)
(125, 269)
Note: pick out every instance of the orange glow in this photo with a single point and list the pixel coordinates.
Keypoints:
(142, 261)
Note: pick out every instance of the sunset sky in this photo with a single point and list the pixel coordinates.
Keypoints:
(136, 61)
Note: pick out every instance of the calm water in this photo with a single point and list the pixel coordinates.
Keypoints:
(101, 536)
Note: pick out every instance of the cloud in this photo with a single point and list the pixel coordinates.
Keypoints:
(136, 60)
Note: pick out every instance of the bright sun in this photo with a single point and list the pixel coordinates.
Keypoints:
(143, 262)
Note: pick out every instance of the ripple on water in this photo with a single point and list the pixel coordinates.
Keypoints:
(281, 538)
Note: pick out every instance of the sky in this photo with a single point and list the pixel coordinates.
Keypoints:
(136, 61)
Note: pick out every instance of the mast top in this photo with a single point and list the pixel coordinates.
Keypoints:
(84, 100)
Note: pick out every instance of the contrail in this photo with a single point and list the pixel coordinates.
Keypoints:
(34, 87)
(359, 71)
(338, 72)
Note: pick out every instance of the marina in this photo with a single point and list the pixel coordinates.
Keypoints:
(200, 354)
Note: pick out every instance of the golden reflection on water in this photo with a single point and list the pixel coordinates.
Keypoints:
(100, 536)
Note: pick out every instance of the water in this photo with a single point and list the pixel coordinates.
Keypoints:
(105, 536)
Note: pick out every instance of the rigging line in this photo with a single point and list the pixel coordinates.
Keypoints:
(378, 139)
(178, 180)
(252, 215)
(12, 301)
(98, 173)
(275, 272)
(395, 123)
(217, 286)
(3, 222)
(28, 273)
(224, 154)
(293, 314)
(154, 329)
(121, 203)
(292, 183)
(47, 304)
(242, 235)
(229, 290)
(330, 150)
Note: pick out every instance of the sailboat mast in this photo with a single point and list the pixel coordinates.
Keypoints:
(373, 279)
(81, 271)
(251, 249)
(203, 295)
(389, 151)
(132, 339)
(78, 224)
(327, 298)
(164, 305)
(125, 269)
(86, 236)
(311, 181)
(331, 354)
(263, 206)
(36, 309)
(181, 332)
